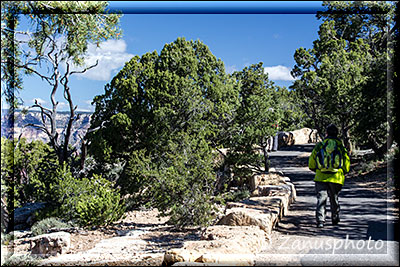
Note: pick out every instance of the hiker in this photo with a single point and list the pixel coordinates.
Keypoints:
(270, 142)
(330, 161)
(275, 138)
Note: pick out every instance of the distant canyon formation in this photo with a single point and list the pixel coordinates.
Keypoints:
(301, 136)
(31, 133)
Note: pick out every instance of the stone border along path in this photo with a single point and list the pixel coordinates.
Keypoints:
(244, 228)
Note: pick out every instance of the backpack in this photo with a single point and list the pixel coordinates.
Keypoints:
(329, 157)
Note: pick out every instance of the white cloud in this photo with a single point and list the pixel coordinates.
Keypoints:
(84, 110)
(279, 73)
(86, 106)
(230, 69)
(62, 105)
(111, 54)
(276, 36)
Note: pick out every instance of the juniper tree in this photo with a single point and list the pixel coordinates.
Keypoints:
(162, 116)
(256, 118)
(346, 76)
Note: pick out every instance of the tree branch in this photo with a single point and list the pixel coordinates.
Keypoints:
(43, 77)
(41, 127)
(86, 69)
(44, 111)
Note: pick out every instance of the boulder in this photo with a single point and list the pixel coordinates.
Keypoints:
(4, 254)
(293, 193)
(272, 177)
(277, 190)
(265, 219)
(51, 244)
(284, 179)
(273, 190)
(304, 136)
(250, 234)
(255, 180)
(297, 137)
(275, 204)
(20, 234)
(281, 202)
(285, 139)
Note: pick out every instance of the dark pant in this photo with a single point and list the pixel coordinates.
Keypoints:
(323, 190)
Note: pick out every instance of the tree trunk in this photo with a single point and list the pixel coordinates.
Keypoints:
(349, 145)
(345, 129)
(266, 157)
(83, 153)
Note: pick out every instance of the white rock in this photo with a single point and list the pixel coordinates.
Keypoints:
(250, 217)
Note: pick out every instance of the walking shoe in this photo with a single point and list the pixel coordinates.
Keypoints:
(320, 225)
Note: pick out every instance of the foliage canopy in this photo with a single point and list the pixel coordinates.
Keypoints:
(164, 116)
(346, 77)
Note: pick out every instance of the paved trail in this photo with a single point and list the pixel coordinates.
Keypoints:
(363, 237)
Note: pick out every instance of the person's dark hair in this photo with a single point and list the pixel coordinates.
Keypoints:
(332, 130)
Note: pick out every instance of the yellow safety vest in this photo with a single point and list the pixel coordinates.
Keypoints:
(337, 177)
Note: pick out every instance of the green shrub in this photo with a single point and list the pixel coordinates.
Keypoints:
(195, 209)
(6, 238)
(89, 202)
(21, 260)
(42, 227)
(179, 182)
(28, 170)
(236, 196)
(50, 210)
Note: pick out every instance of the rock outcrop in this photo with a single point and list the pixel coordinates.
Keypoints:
(298, 137)
(304, 136)
(51, 244)
(285, 139)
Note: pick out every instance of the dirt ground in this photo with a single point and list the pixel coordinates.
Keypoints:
(161, 235)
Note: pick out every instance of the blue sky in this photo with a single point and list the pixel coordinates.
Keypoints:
(237, 39)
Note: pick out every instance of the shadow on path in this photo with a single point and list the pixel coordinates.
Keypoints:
(364, 212)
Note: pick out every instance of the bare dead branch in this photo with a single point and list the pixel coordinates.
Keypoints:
(16, 146)
(86, 69)
(44, 111)
(97, 128)
(43, 77)
(40, 127)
